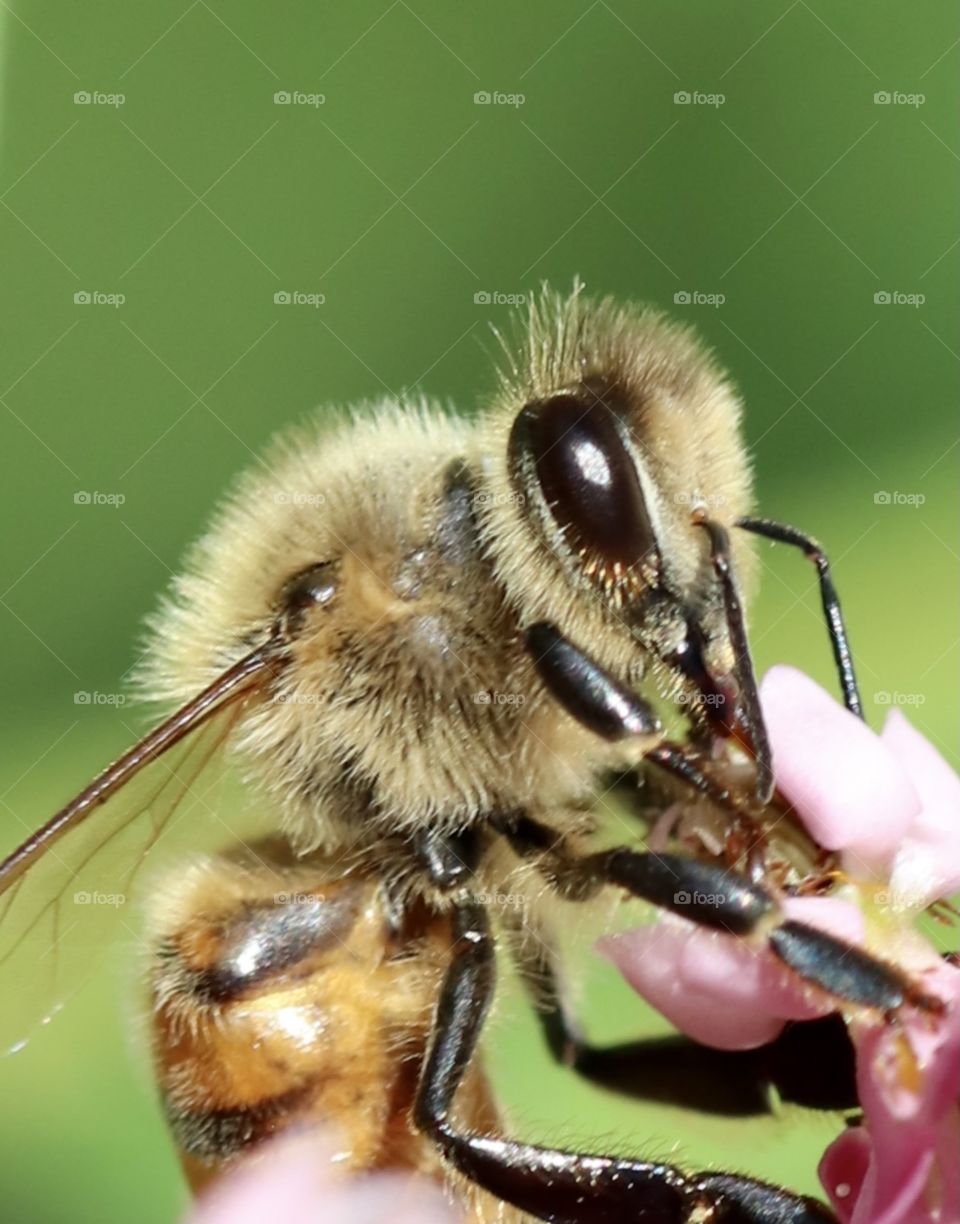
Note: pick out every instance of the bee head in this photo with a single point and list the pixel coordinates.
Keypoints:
(614, 441)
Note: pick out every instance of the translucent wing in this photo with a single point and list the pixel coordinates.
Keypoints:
(68, 891)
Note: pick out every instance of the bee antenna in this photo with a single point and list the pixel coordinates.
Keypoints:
(783, 533)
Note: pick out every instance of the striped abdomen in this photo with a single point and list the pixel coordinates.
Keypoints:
(285, 999)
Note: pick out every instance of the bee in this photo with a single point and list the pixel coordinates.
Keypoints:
(425, 639)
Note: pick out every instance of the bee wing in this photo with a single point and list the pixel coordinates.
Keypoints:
(65, 892)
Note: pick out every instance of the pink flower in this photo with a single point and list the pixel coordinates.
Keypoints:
(890, 807)
(904, 1164)
(297, 1179)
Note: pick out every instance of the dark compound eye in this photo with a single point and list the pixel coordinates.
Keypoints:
(588, 478)
(316, 585)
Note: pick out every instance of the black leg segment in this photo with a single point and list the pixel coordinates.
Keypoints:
(809, 1064)
(725, 900)
(703, 892)
(612, 710)
(585, 690)
(844, 971)
(782, 533)
(554, 1185)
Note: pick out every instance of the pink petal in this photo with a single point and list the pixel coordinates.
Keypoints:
(294, 1179)
(903, 1165)
(927, 866)
(849, 789)
(843, 1170)
(650, 959)
(831, 914)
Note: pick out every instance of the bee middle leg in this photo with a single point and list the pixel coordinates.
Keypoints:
(555, 1185)
(678, 1071)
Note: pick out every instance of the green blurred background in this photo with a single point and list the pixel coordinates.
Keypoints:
(400, 198)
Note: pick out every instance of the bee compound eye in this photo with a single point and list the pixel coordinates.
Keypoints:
(572, 444)
(312, 587)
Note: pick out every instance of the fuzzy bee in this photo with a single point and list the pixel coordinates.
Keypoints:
(425, 639)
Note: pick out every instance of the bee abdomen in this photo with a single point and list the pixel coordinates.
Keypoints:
(280, 1002)
(258, 944)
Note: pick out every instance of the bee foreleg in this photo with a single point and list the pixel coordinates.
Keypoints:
(587, 691)
(723, 900)
(612, 710)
